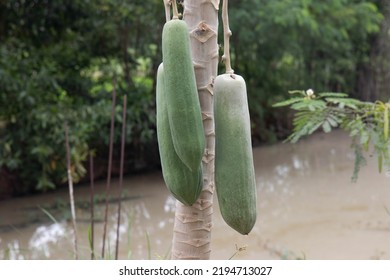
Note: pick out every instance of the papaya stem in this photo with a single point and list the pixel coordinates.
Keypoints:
(175, 10)
(226, 38)
(167, 6)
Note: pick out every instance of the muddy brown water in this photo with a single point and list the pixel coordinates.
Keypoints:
(307, 208)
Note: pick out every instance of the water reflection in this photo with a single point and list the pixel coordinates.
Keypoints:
(169, 205)
(46, 236)
(13, 251)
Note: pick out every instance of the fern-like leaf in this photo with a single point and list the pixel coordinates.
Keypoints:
(310, 104)
(332, 94)
(301, 92)
(344, 102)
(360, 160)
(288, 102)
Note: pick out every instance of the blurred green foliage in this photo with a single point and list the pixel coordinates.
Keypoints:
(58, 60)
(289, 44)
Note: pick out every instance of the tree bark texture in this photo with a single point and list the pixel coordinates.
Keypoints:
(192, 226)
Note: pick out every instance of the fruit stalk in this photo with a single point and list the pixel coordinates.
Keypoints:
(226, 38)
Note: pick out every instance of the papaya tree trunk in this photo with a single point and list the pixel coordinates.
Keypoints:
(193, 224)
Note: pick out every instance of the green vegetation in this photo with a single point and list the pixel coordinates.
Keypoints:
(366, 122)
(57, 63)
(280, 45)
(58, 60)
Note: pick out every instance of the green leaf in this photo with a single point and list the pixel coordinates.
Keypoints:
(333, 121)
(364, 139)
(90, 240)
(44, 183)
(288, 102)
(326, 127)
(359, 162)
(386, 123)
(51, 217)
(149, 249)
(332, 94)
(302, 92)
(345, 102)
(380, 162)
(315, 127)
(310, 104)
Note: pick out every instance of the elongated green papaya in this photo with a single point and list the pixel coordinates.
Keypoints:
(181, 93)
(234, 170)
(184, 184)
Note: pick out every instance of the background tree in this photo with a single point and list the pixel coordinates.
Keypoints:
(282, 45)
(57, 62)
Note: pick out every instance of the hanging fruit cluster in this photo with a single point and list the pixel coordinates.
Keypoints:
(181, 136)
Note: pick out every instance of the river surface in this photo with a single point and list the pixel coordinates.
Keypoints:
(308, 208)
